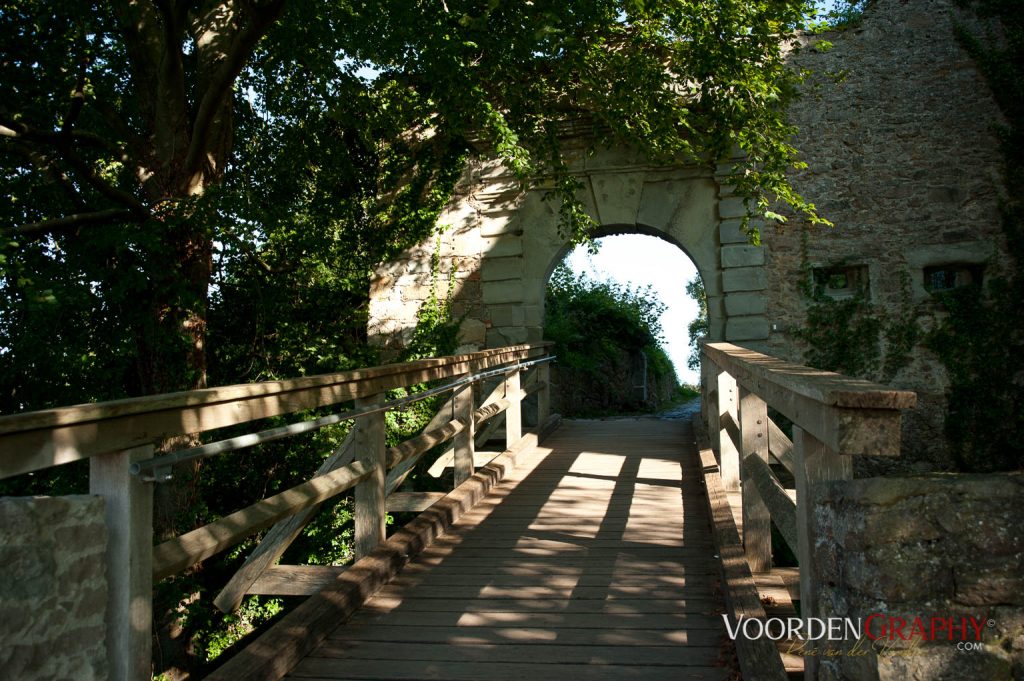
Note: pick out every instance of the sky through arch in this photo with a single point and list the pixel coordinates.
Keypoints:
(637, 260)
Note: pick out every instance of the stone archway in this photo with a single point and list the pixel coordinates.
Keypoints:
(499, 245)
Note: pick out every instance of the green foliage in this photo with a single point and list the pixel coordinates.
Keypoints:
(436, 332)
(699, 327)
(189, 201)
(599, 328)
(838, 16)
(843, 336)
(981, 340)
(853, 335)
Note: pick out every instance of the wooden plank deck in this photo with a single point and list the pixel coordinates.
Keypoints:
(593, 560)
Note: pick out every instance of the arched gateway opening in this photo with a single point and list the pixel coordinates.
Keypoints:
(620, 316)
(499, 245)
(656, 270)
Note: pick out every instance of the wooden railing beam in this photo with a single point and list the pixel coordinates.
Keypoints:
(463, 441)
(728, 432)
(849, 415)
(370, 512)
(814, 462)
(781, 507)
(179, 553)
(279, 537)
(757, 523)
(780, 446)
(129, 520)
(543, 379)
(57, 436)
(514, 413)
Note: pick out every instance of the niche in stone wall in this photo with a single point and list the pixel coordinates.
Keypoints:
(943, 267)
(949, 276)
(842, 282)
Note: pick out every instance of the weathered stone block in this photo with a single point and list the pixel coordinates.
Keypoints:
(507, 315)
(53, 598)
(744, 279)
(731, 232)
(731, 207)
(746, 328)
(938, 545)
(502, 246)
(496, 269)
(533, 315)
(497, 292)
(472, 331)
(617, 197)
(498, 337)
(498, 222)
(742, 256)
(740, 304)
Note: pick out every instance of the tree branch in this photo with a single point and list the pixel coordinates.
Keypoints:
(10, 127)
(20, 131)
(77, 98)
(102, 186)
(142, 35)
(219, 88)
(77, 220)
(49, 166)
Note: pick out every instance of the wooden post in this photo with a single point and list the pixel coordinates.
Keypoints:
(812, 462)
(514, 413)
(757, 523)
(544, 394)
(709, 400)
(728, 427)
(462, 407)
(706, 375)
(370, 512)
(129, 520)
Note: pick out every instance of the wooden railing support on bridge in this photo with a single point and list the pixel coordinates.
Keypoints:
(119, 438)
(834, 419)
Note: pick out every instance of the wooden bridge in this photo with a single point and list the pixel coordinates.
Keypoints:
(582, 550)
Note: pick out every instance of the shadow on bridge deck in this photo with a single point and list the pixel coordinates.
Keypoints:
(593, 560)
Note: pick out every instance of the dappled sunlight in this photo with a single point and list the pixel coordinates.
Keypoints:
(587, 462)
(593, 555)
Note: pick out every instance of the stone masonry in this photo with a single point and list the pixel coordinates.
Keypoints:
(54, 592)
(499, 244)
(896, 127)
(927, 546)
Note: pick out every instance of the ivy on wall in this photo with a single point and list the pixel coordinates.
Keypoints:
(853, 335)
(981, 341)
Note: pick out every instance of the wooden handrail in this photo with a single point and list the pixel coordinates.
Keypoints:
(825, 387)
(835, 417)
(37, 440)
(847, 414)
(119, 436)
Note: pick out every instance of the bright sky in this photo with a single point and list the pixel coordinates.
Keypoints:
(637, 260)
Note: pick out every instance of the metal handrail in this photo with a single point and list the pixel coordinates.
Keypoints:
(158, 468)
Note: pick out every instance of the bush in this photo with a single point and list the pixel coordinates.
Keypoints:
(604, 333)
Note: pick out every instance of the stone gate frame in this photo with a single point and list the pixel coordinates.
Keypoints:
(499, 244)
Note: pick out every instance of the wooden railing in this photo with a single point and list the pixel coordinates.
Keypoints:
(119, 439)
(835, 418)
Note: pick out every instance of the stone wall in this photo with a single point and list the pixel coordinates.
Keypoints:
(54, 590)
(940, 545)
(896, 126)
(498, 245)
